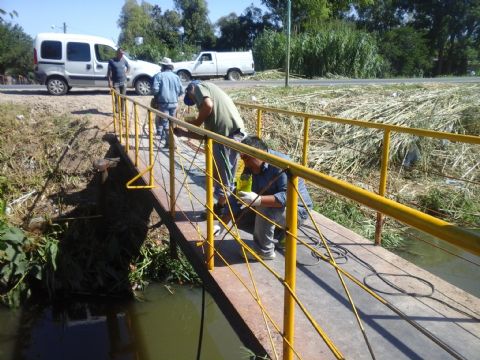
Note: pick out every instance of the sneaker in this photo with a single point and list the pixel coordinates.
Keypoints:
(262, 256)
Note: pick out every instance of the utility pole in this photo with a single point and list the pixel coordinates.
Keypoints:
(64, 28)
(287, 65)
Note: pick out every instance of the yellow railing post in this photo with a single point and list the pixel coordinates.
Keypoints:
(137, 145)
(306, 131)
(172, 168)
(259, 123)
(290, 269)
(127, 130)
(383, 183)
(114, 111)
(150, 145)
(120, 117)
(209, 202)
(171, 158)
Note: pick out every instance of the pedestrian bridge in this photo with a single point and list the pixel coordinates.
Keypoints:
(330, 293)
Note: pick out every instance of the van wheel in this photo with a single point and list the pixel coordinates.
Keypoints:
(57, 86)
(143, 86)
(184, 76)
(234, 75)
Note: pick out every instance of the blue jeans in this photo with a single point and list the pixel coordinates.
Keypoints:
(163, 123)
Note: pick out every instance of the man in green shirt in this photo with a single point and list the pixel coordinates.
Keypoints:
(218, 113)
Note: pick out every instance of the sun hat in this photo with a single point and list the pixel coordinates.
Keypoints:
(189, 88)
(166, 61)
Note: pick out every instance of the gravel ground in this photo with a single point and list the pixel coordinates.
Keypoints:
(94, 104)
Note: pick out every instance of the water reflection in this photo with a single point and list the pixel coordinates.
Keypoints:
(166, 325)
(450, 267)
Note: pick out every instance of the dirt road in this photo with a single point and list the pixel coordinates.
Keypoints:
(96, 105)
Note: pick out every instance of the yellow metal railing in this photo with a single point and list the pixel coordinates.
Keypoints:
(453, 234)
(386, 128)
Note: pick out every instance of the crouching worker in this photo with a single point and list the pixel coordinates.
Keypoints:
(269, 197)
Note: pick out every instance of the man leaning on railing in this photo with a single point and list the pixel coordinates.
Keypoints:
(269, 197)
(218, 113)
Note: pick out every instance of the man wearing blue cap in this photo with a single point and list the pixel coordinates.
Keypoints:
(218, 113)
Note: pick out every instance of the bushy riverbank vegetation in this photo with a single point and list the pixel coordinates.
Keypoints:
(55, 238)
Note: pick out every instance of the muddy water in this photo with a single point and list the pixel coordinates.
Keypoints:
(162, 326)
(455, 267)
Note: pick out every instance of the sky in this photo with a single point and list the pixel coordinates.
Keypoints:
(96, 17)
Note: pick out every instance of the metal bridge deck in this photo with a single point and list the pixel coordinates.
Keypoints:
(319, 287)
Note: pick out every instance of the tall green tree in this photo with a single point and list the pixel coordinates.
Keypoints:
(134, 21)
(450, 30)
(451, 26)
(407, 51)
(166, 26)
(197, 28)
(16, 50)
(239, 32)
(12, 14)
(382, 16)
(230, 31)
(308, 15)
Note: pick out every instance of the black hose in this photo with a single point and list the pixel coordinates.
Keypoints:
(202, 319)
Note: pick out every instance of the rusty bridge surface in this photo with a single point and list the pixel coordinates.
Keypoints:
(437, 323)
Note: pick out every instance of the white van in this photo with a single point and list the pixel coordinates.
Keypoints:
(63, 61)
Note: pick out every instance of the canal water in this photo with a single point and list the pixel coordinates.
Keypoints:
(164, 325)
(456, 266)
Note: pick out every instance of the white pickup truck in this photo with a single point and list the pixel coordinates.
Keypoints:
(209, 64)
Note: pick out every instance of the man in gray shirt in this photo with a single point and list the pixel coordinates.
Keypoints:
(218, 113)
(117, 74)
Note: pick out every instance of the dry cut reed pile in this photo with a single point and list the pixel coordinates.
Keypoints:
(351, 150)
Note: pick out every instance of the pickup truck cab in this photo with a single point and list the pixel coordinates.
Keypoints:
(63, 61)
(209, 64)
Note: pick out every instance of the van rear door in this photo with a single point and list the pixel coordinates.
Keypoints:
(78, 64)
(103, 53)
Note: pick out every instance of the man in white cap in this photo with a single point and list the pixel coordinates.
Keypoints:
(166, 90)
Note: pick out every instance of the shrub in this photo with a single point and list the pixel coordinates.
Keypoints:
(338, 49)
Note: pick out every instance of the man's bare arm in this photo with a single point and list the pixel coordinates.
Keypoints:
(205, 110)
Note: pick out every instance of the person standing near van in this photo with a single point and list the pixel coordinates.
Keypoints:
(166, 90)
(117, 74)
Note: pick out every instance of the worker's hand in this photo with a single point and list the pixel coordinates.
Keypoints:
(250, 197)
(218, 230)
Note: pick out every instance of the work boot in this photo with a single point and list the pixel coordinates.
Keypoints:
(281, 243)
